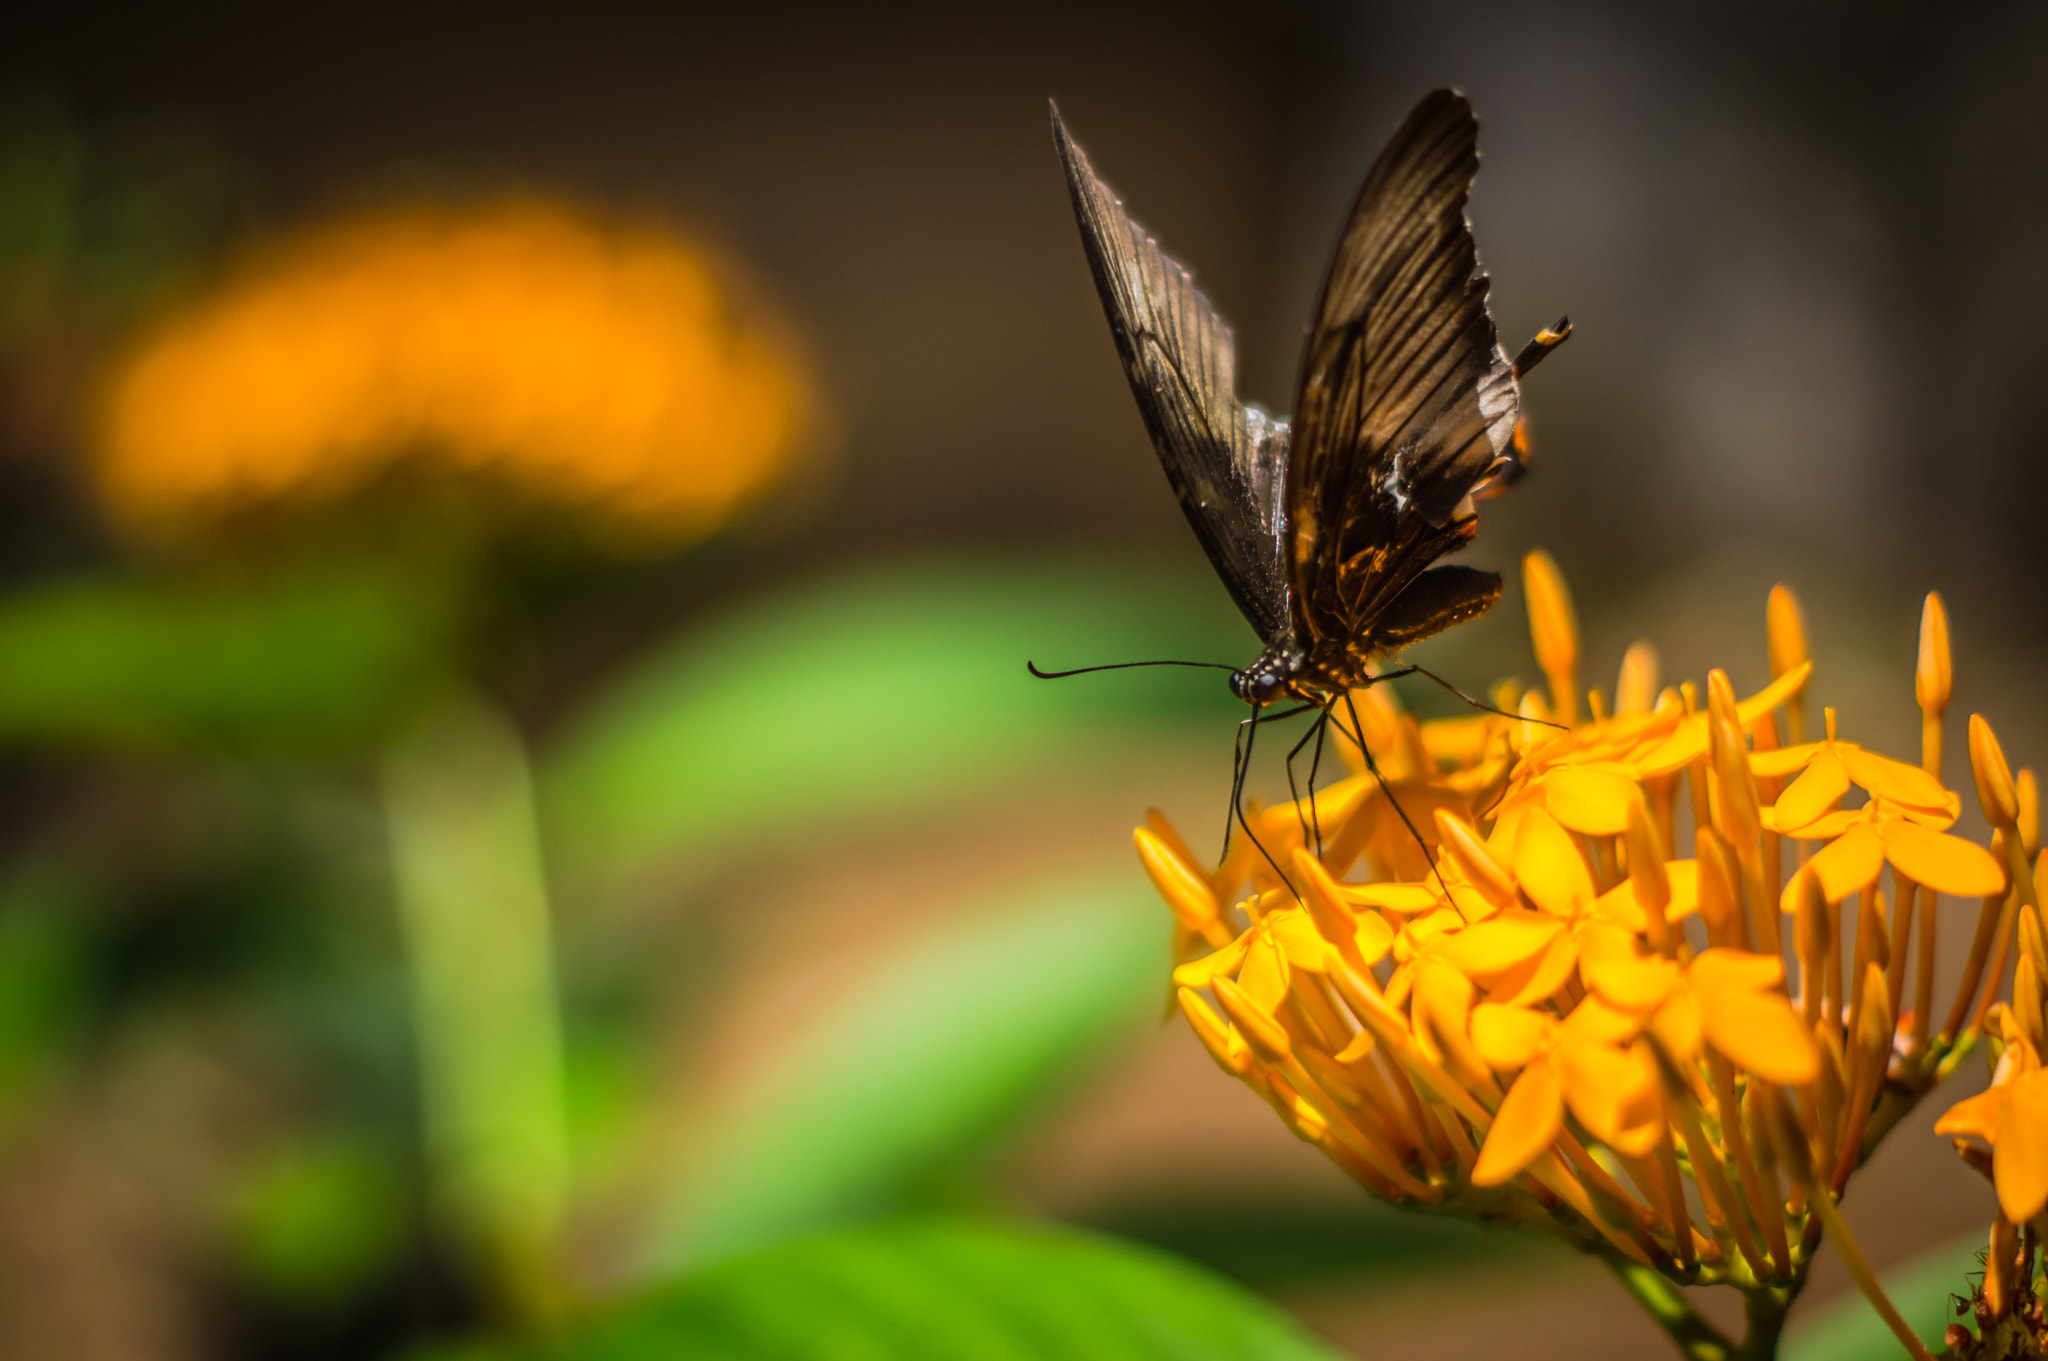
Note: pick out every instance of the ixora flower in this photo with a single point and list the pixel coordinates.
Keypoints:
(571, 365)
(1488, 984)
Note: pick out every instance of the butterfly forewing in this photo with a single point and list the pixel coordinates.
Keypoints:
(1226, 462)
(1405, 401)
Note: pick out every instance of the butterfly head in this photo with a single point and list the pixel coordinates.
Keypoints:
(1270, 678)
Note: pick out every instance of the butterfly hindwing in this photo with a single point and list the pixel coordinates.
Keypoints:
(1406, 400)
(1226, 462)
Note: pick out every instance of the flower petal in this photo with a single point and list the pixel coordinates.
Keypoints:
(1622, 905)
(2019, 1160)
(1760, 1031)
(1197, 973)
(1529, 1120)
(1375, 938)
(1295, 934)
(1550, 866)
(1946, 864)
(1406, 899)
(1783, 761)
(1611, 967)
(1974, 1117)
(1677, 1024)
(1264, 976)
(1608, 1089)
(1849, 862)
(1489, 949)
(1541, 977)
(1689, 741)
(1588, 800)
(1893, 780)
(1814, 793)
(1510, 1037)
(1825, 828)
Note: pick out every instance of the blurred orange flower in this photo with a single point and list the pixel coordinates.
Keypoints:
(575, 366)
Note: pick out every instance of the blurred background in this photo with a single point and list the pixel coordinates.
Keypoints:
(520, 532)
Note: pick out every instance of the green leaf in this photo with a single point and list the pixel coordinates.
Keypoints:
(927, 1063)
(315, 1221)
(1848, 1329)
(874, 694)
(949, 1290)
(310, 659)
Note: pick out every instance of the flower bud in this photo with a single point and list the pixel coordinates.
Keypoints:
(1995, 792)
(1785, 629)
(1933, 677)
(1635, 690)
(1553, 629)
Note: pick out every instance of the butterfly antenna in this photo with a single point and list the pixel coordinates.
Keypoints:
(1479, 704)
(1358, 736)
(1032, 667)
(1538, 349)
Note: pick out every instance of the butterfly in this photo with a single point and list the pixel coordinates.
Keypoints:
(1326, 527)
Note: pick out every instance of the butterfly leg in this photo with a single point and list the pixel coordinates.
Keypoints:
(1478, 704)
(1249, 729)
(1357, 734)
(1309, 822)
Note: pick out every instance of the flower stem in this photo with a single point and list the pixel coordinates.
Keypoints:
(1695, 1338)
(1763, 1318)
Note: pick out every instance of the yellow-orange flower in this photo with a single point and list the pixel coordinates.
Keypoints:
(579, 367)
(1486, 985)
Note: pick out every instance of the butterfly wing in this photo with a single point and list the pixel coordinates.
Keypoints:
(1406, 400)
(1226, 462)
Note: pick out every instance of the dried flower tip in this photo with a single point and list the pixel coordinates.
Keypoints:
(1635, 689)
(1933, 678)
(1785, 629)
(1553, 629)
(1995, 792)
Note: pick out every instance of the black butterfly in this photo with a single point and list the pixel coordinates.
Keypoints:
(1325, 528)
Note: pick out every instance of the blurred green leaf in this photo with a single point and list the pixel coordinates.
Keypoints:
(889, 689)
(1848, 1329)
(44, 977)
(949, 1290)
(924, 1065)
(314, 1222)
(315, 658)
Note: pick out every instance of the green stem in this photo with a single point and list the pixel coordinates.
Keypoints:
(1763, 1318)
(473, 903)
(1696, 1339)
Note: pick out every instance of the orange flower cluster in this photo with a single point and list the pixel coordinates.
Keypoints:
(582, 368)
(1528, 1009)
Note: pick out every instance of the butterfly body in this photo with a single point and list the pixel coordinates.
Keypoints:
(1326, 527)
